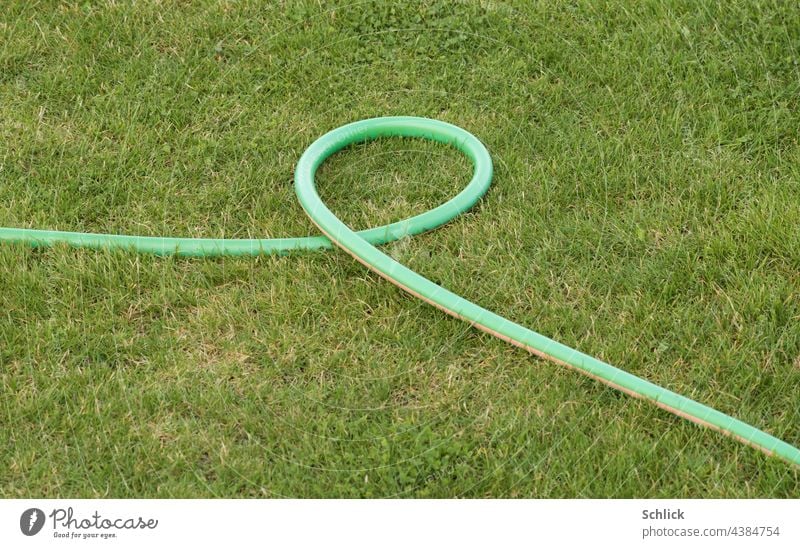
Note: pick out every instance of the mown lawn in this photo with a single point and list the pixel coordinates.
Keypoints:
(645, 209)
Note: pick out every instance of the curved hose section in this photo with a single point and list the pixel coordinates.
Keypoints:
(361, 245)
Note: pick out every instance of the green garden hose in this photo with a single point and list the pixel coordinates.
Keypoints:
(361, 245)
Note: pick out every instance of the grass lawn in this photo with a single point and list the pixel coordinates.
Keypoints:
(645, 209)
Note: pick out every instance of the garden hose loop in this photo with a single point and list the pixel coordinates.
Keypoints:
(361, 245)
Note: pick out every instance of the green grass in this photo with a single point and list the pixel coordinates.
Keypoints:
(645, 210)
